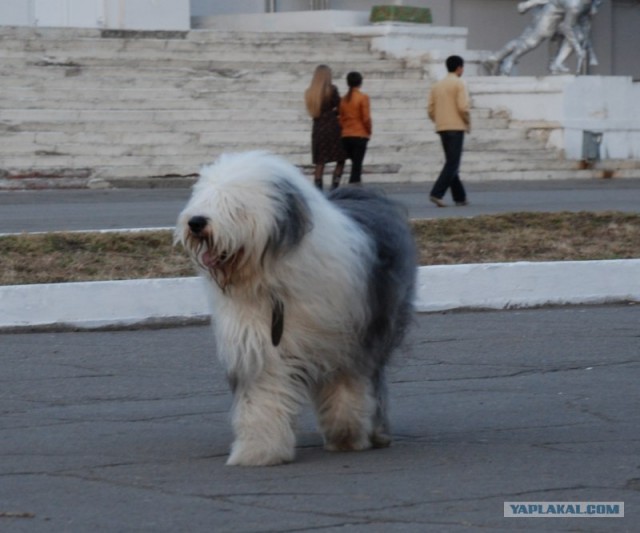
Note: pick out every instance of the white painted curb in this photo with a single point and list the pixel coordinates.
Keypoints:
(440, 288)
(527, 284)
(101, 304)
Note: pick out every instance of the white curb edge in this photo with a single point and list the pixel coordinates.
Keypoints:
(129, 303)
(527, 284)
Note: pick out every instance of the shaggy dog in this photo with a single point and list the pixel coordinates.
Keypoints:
(309, 296)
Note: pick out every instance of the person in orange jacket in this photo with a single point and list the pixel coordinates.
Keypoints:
(355, 120)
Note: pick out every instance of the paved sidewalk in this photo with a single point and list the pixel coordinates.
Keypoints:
(128, 432)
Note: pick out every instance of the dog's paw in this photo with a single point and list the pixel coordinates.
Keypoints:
(347, 443)
(381, 440)
(252, 455)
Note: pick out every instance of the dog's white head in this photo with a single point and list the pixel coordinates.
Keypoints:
(246, 210)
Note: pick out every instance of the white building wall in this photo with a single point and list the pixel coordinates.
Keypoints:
(67, 13)
(148, 14)
(203, 8)
(16, 13)
(116, 14)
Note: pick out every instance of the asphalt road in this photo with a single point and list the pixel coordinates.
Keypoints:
(61, 210)
(128, 431)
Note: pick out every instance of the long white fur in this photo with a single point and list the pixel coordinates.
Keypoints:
(320, 281)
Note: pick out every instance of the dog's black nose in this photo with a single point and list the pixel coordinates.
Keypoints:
(197, 224)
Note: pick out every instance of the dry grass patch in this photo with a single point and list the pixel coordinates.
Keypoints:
(529, 237)
(64, 257)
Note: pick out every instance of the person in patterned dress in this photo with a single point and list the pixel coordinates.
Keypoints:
(323, 102)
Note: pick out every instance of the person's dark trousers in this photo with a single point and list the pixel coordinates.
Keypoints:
(452, 142)
(355, 147)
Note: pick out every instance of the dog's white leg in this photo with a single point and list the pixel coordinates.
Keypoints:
(346, 407)
(263, 416)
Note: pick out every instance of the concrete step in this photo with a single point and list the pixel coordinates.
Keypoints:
(20, 36)
(340, 64)
(123, 142)
(190, 158)
(210, 77)
(43, 155)
(175, 177)
(381, 95)
(183, 164)
(433, 157)
(89, 55)
(72, 52)
(403, 106)
(216, 41)
(179, 172)
(65, 119)
(26, 34)
(59, 99)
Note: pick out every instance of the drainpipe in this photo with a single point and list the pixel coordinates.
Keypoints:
(271, 6)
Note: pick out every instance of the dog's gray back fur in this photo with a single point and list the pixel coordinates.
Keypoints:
(392, 275)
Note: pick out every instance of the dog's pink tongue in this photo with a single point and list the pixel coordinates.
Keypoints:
(209, 260)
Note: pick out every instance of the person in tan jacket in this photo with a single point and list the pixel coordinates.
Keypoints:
(448, 108)
(355, 120)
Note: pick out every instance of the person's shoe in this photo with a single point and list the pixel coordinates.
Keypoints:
(437, 201)
(463, 203)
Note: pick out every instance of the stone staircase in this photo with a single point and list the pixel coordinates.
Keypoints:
(91, 108)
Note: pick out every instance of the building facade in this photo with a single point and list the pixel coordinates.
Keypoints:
(116, 14)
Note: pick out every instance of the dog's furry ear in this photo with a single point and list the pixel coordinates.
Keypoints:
(292, 219)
